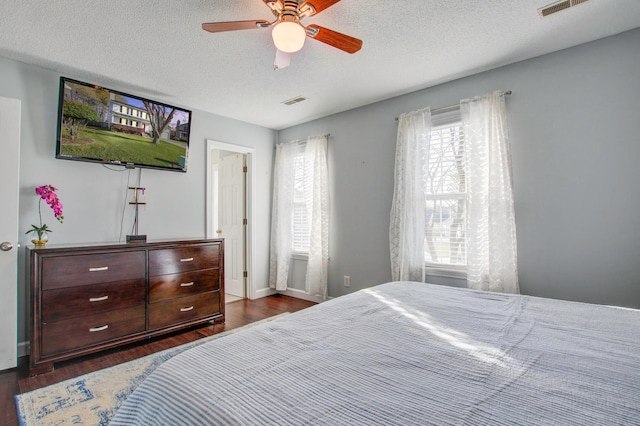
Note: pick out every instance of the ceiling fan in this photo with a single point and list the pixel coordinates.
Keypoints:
(288, 33)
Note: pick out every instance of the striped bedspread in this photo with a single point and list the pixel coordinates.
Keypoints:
(408, 354)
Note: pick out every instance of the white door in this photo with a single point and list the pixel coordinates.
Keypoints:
(231, 215)
(10, 154)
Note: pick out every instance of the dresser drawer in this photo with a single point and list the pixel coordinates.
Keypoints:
(73, 302)
(78, 332)
(170, 286)
(72, 271)
(175, 311)
(174, 260)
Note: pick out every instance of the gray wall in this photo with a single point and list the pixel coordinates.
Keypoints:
(93, 197)
(574, 125)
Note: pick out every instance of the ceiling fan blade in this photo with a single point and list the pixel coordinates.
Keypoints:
(333, 38)
(317, 5)
(218, 27)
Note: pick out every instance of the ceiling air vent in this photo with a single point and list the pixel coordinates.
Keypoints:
(558, 6)
(294, 100)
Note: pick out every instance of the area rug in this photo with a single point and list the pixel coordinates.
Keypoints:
(94, 398)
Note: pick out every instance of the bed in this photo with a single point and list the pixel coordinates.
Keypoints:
(408, 353)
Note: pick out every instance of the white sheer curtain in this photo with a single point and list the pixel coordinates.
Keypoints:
(282, 216)
(310, 158)
(491, 228)
(408, 209)
(491, 231)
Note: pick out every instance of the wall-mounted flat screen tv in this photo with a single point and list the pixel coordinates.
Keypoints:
(105, 126)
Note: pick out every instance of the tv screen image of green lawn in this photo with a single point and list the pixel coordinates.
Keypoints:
(106, 126)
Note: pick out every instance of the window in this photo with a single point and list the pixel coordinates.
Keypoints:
(452, 212)
(446, 198)
(300, 222)
(300, 215)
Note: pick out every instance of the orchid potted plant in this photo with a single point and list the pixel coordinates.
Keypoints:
(47, 193)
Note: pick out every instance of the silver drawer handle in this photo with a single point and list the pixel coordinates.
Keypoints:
(186, 284)
(104, 327)
(102, 268)
(98, 299)
(186, 309)
(188, 259)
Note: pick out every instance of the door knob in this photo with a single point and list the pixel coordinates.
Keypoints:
(6, 246)
(218, 231)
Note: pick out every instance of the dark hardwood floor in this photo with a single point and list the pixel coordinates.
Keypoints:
(239, 313)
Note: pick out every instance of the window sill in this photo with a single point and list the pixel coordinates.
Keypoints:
(445, 273)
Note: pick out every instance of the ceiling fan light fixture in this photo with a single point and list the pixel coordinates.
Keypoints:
(288, 36)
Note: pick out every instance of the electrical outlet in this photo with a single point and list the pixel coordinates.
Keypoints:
(347, 281)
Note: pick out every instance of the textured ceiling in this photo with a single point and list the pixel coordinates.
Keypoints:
(157, 49)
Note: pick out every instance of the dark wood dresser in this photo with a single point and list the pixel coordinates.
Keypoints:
(85, 299)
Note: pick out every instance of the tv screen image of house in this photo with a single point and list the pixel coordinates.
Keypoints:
(106, 126)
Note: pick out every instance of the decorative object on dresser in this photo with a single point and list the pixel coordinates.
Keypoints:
(85, 299)
(136, 238)
(47, 193)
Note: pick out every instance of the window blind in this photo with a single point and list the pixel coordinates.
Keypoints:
(300, 223)
(446, 194)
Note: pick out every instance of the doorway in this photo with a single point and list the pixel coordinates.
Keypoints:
(229, 214)
(229, 202)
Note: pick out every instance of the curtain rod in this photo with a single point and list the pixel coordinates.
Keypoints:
(506, 93)
(327, 135)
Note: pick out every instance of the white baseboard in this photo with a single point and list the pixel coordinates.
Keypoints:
(300, 294)
(23, 349)
(264, 292)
